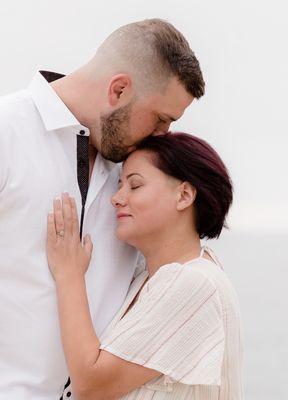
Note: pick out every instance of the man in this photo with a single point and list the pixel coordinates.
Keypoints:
(141, 79)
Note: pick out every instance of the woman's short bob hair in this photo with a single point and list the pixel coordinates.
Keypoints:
(191, 159)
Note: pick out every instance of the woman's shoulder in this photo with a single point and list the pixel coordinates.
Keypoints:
(195, 270)
(179, 281)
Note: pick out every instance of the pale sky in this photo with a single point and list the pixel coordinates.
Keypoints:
(242, 49)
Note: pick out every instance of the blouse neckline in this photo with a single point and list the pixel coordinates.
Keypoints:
(139, 280)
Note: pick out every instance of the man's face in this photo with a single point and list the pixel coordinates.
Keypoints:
(124, 128)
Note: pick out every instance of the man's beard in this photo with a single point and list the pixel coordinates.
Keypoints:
(114, 127)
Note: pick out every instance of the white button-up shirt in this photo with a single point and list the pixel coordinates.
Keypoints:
(37, 163)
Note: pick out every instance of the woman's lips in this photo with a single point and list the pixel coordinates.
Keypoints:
(123, 215)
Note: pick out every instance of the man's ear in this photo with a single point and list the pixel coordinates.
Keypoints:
(120, 88)
(186, 196)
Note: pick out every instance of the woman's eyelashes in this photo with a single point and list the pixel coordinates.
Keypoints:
(135, 185)
(132, 186)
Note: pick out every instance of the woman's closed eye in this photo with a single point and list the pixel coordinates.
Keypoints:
(133, 187)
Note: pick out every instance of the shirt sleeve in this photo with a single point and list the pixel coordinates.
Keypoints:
(5, 151)
(175, 327)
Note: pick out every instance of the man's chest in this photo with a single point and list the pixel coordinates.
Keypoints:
(40, 170)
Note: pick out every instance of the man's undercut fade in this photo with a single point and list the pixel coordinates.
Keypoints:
(152, 51)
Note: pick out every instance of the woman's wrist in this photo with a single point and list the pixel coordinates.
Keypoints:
(69, 276)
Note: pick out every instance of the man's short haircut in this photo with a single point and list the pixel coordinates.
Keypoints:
(154, 50)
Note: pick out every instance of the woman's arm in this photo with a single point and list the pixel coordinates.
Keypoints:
(95, 374)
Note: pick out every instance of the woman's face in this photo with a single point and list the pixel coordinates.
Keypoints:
(146, 200)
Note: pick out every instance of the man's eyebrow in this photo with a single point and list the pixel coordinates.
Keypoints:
(129, 176)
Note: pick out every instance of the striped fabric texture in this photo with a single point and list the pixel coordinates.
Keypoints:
(186, 325)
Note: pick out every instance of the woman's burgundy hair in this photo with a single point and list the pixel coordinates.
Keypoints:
(191, 159)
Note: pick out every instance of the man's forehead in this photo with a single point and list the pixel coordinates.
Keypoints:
(177, 97)
(173, 101)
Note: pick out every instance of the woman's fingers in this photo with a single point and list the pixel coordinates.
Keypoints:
(88, 245)
(58, 217)
(67, 213)
(66, 216)
(74, 217)
(51, 231)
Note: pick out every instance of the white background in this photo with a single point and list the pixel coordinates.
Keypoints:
(242, 48)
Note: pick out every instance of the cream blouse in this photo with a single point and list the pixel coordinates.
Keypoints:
(186, 325)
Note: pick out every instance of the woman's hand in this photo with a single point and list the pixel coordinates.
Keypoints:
(67, 257)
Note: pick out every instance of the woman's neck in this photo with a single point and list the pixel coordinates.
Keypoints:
(177, 249)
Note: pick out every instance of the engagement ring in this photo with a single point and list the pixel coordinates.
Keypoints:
(60, 233)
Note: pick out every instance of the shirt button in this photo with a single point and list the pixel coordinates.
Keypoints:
(68, 394)
(82, 132)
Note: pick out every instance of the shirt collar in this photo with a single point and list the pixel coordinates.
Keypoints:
(53, 111)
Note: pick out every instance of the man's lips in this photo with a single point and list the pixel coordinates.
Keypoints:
(123, 215)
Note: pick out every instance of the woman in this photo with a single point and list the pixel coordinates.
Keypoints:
(177, 335)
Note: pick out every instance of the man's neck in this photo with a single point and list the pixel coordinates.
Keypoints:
(65, 88)
(80, 97)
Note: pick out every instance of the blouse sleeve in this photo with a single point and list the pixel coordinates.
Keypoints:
(175, 327)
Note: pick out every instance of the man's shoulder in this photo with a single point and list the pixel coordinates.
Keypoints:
(12, 102)
(14, 98)
(14, 106)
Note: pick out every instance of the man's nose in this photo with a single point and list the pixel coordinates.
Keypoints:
(162, 131)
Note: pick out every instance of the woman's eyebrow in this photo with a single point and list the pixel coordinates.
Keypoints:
(129, 176)
(133, 173)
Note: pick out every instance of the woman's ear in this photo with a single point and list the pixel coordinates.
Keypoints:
(120, 88)
(186, 196)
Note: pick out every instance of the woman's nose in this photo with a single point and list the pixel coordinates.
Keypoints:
(118, 200)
